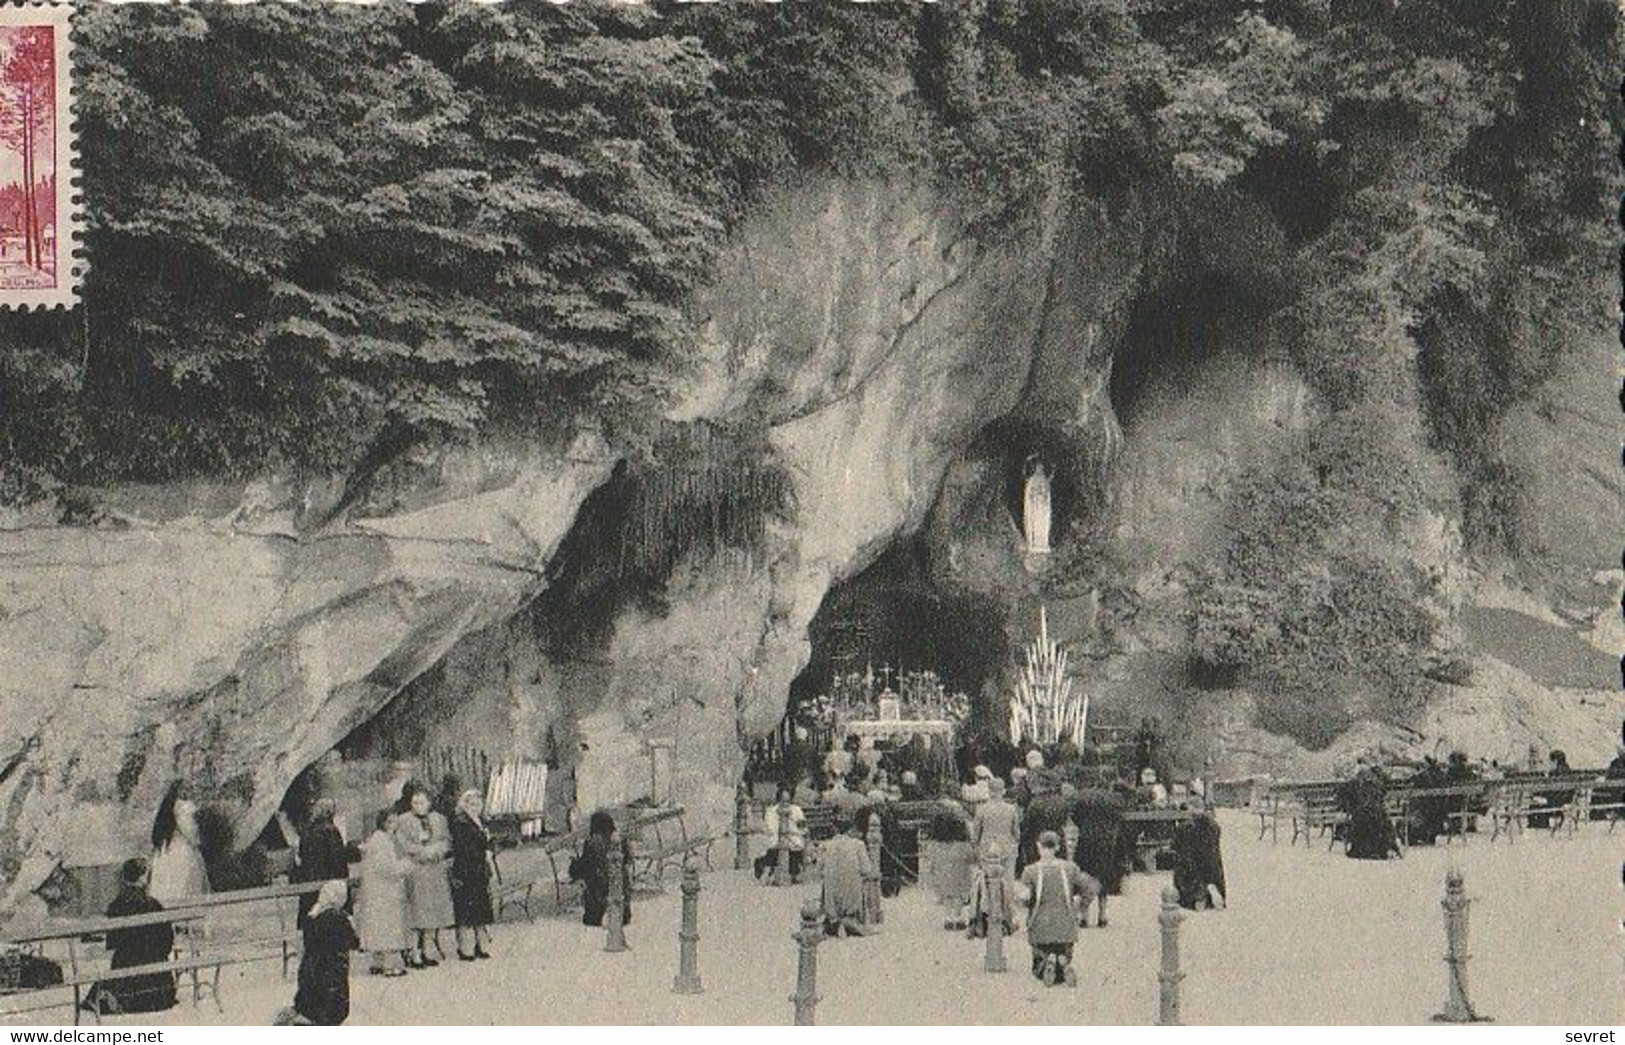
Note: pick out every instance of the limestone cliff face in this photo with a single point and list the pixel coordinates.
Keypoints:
(876, 344)
(200, 634)
(231, 651)
(873, 338)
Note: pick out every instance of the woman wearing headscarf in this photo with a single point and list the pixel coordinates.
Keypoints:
(323, 996)
(591, 869)
(177, 860)
(381, 908)
(472, 864)
(425, 838)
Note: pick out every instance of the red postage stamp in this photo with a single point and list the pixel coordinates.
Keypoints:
(37, 158)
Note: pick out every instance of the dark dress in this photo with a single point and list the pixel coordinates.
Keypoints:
(323, 996)
(1370, 833)
(139, 945)
(1198, 862)
(323, 857)
(591, 869)
(470, 872)
(1101, 838)
(1046, 812)
(1430, 815)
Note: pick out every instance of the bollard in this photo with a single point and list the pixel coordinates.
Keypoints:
(993, 897)
(781, 868)
(1457, 1009)
(615, 912)
(1169, 976)
(688, 935)
(873, 912)
(741, 827)
(806, 995)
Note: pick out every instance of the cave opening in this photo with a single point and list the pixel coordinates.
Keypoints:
(1171, 329)
(894, 618)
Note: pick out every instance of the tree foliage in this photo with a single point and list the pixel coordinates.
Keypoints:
(320, 233)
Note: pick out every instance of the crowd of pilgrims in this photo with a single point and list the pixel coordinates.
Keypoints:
(1371, 834)
(425, 867)
(1064, 848)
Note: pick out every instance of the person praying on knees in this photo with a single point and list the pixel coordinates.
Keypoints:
(136, 946)
(472, 864)
(177, 861)
(591, 869)
(845, 863)
(381, 908)
(1052, 887)
(425, 838)
(323, 995)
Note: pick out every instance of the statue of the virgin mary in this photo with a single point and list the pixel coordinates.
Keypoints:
(1036, 507)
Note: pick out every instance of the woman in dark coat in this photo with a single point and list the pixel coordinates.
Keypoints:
(1198, 863)
(1100, 855)
(471, 866)
(138, 945)
(323, 997)
(591, 869)
(323, 853)
(1371, 834)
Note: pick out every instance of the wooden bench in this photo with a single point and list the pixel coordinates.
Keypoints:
(660, 840)
(1153, 831)
(1518, 799)
(87, 961)
(283, 899)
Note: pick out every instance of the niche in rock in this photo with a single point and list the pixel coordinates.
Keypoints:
(1019, 447)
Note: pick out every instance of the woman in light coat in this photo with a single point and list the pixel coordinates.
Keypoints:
(425, 839)
(381, 909)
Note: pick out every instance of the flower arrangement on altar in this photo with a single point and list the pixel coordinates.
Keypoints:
(920, 695)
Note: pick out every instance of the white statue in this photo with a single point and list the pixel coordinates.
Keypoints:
(1036, 507)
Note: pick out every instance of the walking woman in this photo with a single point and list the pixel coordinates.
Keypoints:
(472, 864)
(381, 908)
(323, 996)
(177, 861)
(425, 839)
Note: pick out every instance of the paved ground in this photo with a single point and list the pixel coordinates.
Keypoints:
(1311, 937)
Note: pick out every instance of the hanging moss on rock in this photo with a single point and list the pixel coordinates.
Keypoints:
(704, 489)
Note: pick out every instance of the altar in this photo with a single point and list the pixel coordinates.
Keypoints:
(898, 728)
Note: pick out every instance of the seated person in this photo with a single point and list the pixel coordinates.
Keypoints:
(136, 946)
